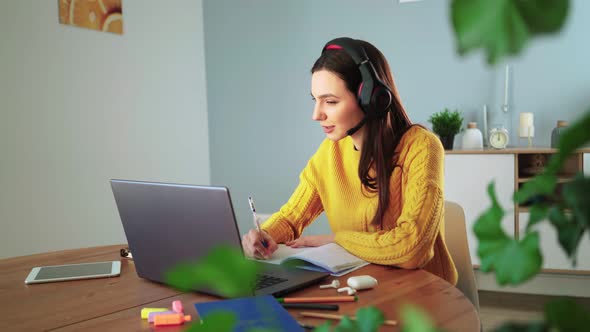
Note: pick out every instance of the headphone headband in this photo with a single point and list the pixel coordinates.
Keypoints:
(351, 46)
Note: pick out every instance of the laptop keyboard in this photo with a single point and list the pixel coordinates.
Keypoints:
(263, 281)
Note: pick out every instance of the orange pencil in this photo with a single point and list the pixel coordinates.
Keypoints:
(319, 299)
(338, 317)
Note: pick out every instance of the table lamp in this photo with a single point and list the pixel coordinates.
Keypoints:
(527, 128)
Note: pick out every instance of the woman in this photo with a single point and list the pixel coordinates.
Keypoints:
(378, 178)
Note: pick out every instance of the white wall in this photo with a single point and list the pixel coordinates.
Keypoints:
(79, 107)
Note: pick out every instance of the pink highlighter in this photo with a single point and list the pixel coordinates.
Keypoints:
(177, 307)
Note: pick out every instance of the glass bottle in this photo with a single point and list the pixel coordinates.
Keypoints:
(556, 133)
(472, 137)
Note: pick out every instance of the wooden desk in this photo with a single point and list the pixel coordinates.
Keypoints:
(113, 304)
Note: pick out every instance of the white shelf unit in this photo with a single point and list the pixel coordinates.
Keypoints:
(467, 174)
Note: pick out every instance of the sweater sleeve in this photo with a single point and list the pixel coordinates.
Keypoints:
(410, 243)
(301, 209)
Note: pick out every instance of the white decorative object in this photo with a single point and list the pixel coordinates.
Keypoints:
(485, 125)
(499, 137)
(506, 89)
(472, 137)
(527, 127)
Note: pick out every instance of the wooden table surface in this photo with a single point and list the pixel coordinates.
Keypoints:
(113, 304)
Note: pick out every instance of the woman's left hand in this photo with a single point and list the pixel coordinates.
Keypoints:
(311, 241)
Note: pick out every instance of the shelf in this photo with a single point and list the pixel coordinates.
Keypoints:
(559, 179)
(530, 165)
(553, 271)
(527, 208)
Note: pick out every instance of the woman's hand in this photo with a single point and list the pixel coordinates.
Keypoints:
(311, 241)
(252, 244)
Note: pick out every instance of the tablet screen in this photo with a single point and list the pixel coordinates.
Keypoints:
(67, 271)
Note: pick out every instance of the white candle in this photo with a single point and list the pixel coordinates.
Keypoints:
(527, 128)
(506, 85)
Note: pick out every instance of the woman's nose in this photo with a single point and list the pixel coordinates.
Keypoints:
(318, 115)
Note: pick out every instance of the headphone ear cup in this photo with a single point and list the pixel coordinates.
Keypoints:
(381, 100)
(363, 97)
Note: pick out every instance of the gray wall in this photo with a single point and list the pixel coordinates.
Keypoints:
(79, 107)
(259, 54)
(552, 77)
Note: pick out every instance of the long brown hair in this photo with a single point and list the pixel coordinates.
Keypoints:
(381, 135)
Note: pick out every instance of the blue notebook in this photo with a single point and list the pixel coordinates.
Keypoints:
(252, 312)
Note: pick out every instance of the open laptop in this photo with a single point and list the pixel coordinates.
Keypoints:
(167, 224)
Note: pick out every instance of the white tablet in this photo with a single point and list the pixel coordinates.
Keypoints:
(73, 272)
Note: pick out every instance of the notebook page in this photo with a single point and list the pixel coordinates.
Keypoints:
(331, 257)
(281, 253)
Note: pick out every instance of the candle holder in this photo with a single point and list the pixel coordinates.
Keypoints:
(527, 128)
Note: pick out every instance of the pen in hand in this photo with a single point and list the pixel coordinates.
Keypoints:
(256, 222)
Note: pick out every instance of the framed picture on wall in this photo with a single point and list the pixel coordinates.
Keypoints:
(101, 15)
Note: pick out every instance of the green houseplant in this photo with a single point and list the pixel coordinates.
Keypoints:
(446, 124)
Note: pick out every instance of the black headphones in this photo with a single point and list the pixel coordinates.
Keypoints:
(374, 96)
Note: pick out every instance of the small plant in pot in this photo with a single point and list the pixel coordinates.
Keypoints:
(446, 125)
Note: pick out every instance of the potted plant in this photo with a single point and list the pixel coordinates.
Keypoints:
(446, 125)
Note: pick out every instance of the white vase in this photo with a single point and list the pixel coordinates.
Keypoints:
(472, 137)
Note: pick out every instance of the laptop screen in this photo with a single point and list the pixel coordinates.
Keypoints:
(167, 224)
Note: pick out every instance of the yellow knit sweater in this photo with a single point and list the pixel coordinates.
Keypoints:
(413, 226)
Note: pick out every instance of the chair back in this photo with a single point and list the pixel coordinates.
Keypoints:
(456, 240)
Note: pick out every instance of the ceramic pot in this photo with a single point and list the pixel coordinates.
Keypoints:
(447, 141)
(472, 137)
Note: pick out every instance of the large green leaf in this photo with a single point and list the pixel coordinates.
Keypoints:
(324, 327)
(492, 25)
(566, 315)
(346, 325)
(220, 321)
(569, 231)
(540, 186)
(519, 261)
(490, 235)
(577, 197)
(543, 16)
(224, 269)
(513, 261)
(502, 27)
(369, 319)
(415, 320)
(537, 213)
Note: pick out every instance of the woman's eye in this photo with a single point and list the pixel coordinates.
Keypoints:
(331, 102)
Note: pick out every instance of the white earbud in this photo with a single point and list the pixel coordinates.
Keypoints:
(334, 284)
(348, 290)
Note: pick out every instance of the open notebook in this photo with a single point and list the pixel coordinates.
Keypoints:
(330, 258)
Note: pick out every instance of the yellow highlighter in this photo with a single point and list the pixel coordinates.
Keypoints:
(145, 312)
